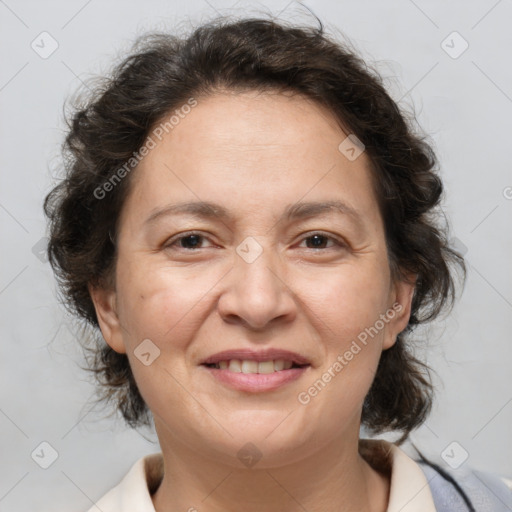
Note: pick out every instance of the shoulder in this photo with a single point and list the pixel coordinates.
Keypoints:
(133, 492)
(467, 489)
(418, 484)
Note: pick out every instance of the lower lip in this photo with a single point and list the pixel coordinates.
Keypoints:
(256, 382)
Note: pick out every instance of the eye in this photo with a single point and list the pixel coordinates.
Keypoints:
(192, 241)
(318, 241)
(186, 241)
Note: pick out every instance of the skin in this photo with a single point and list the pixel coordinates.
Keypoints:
(254, 154)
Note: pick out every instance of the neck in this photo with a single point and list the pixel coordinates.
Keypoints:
(332, 479)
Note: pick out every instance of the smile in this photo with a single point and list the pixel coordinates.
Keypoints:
(251, 366)
(255, 376)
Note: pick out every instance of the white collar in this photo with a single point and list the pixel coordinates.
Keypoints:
(409, 489)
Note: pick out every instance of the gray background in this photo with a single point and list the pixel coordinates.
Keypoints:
(465, 103)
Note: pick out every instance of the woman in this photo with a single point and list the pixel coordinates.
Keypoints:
(247, 218)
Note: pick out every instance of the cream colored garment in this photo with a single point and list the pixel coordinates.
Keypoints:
(409, 490)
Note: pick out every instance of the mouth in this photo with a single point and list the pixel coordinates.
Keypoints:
(251, 371)
(249, 366)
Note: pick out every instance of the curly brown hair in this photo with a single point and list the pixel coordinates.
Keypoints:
(159, 75)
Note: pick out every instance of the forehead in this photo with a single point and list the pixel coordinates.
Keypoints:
(251, 148)
(254, 121)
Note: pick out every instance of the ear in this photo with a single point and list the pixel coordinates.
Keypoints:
(402, 293)
(105, 305)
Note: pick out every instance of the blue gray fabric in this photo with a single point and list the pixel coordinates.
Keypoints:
(487, 492)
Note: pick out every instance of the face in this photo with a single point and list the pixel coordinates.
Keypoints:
(264, 278)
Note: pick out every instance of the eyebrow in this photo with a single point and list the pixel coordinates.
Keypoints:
(209, 210)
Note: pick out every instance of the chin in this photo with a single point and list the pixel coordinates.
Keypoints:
(261, 439)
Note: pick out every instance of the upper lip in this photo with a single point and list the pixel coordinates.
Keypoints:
(269, 354)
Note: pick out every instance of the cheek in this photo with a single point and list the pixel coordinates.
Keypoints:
(346, 310)
(162, 306)
(350, 300)
(161, 303)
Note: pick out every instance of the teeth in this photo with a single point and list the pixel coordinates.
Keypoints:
(235, 366)
(279, 365)
(266, 367)
(249, 366)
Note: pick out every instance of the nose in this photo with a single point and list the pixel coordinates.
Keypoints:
(257, 294)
